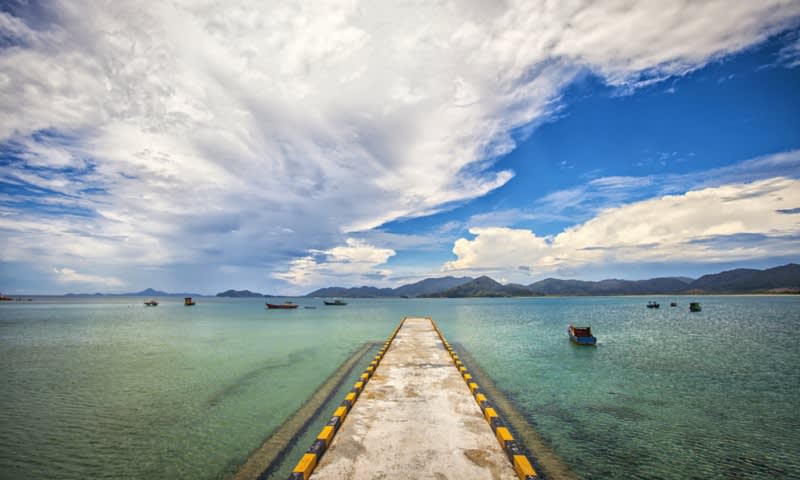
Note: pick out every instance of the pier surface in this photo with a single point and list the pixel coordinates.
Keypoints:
(416, 418)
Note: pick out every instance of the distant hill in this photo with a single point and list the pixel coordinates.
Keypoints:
(484, 287)
(150, 292)
(430, 285)
(554, 286)
(147, 292)
(750, 280)
(784, 279)
(423, 287)
(240, 294)
(354, 292)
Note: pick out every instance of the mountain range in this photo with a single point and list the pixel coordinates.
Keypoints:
(148, 292)
(423, 287)
(783, 279)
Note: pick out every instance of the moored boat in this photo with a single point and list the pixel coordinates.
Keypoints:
(150, 303)
(695, 307)
(673, 304)
(653, 305)
(581, 335)
(284, 305)
(336, 302)
(188, 302)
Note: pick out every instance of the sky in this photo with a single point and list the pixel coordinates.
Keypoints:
(197, 146)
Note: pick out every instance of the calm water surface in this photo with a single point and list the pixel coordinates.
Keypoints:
(106, 388)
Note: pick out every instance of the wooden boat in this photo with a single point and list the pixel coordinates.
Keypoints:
(336, 302)
(150, 303)
(695, 307)
(653, 305)
(673, 304)
(581, 335)
(284, 305)
(188, 302)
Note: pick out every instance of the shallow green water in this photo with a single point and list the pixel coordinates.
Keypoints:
(106, 388)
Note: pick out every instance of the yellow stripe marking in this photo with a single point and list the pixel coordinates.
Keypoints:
(306, 465)
(523, 467)
(326, 435)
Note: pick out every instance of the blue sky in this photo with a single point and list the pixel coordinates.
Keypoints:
(204, 147)
(735, 109)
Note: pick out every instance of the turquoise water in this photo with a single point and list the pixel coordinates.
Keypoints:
(106, 388)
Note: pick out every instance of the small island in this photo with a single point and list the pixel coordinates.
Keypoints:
(241, 294)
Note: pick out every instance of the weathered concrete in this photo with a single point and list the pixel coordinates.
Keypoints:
(415, 419)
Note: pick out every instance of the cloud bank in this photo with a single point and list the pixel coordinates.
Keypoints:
(719, 224)
(255, 136)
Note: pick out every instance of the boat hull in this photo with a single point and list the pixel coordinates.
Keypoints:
(279, 306)
(335, 304)
(583, 340)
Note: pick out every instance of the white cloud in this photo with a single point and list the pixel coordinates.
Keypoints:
(230, 133)
(355, 261)
(584, 201)
(725, 223)
(789, 55)
(68, 275)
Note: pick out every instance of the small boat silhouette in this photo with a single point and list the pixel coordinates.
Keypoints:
(285, 305)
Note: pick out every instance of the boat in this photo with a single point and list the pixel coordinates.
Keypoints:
(695, 307)
(188, 302)
(284, 305)
(653, 305)
(150, 303)
(336, 302)
(673, 304)
(581, 335)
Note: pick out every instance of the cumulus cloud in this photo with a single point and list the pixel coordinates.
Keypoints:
(356, 261)
(584, 201)
(254, 135)
(725, 223)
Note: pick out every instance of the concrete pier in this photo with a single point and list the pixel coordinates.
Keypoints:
(418, 418)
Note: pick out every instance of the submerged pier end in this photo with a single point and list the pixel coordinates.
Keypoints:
(415, 413)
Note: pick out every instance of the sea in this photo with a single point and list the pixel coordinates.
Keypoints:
(104, 387)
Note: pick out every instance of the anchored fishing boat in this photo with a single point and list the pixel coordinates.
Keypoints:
(581, 335)
(695, 307)
(150, 303)
(284, 305)
(336, 302)
(653, 305)
(188, 302)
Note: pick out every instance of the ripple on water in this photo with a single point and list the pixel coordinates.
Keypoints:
(105, 390)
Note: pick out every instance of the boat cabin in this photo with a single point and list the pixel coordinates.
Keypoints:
(582, 331)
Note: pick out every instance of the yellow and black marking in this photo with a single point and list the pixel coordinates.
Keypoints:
(323, 441)
(519, 461)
